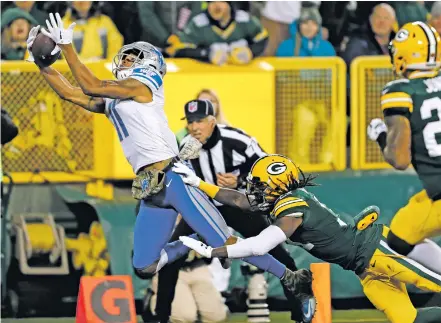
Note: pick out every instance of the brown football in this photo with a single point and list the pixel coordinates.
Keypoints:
(42, 48)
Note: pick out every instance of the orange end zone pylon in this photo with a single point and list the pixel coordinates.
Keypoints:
(321, 285)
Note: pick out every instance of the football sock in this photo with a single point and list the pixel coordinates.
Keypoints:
(428, 315)
(267, 263)
(173, 251)
(428, 254)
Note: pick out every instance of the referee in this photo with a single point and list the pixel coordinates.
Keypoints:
(225, 159)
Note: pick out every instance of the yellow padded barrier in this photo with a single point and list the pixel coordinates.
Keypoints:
(369, 75)
(292, 106)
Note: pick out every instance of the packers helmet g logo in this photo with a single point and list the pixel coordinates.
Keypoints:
(276, 168)
(402, 35)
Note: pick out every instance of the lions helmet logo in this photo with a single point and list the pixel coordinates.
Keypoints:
(144, 184)
(276, 168)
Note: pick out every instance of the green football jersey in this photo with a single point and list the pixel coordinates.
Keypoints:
(419, 100)
(203, 32)
(324, 234)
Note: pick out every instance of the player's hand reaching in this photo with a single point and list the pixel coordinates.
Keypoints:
(55, 31)
(30, 41)
(198, 246)
(188, 176)
(32, 35)
(375, 128)
(191, 149)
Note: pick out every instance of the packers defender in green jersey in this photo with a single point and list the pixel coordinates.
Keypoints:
(277, 187)
(411, 133)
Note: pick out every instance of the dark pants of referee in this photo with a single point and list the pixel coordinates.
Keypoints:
(247, 224)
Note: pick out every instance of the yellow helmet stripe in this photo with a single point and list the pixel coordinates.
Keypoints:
(431, 55)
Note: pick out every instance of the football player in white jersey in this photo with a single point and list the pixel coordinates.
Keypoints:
(135, 105)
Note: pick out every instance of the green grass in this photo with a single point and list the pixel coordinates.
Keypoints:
(352, 316)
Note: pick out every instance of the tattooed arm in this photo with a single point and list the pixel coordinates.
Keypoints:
(233, 198)
(70, 93)
(397, 151)
(93, 86)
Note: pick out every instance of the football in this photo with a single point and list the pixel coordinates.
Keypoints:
(42, 48)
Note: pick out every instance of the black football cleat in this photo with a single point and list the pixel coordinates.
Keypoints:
(297, 286)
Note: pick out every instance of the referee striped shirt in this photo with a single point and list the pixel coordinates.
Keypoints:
(228, 150)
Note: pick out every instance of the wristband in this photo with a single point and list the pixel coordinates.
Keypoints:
(209, 189)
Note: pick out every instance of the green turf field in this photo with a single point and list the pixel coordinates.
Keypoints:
(352, 316)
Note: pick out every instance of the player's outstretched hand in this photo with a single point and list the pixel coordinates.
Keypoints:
(55, 31)
(32, 35)
(375, 128)
(198, 246)
(188, 176)
(30, 41)
(191, 149)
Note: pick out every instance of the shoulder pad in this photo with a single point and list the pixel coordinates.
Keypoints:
(242, 16)
(396, 97)
(289, 205)
(148, 76)
(201, 20)
(393, 86)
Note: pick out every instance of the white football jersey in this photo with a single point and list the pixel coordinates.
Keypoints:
(143, 127)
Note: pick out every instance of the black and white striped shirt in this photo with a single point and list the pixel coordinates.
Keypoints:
(228, 150)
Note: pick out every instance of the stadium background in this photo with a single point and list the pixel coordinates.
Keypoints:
(68, 163)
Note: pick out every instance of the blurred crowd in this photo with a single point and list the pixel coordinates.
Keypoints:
(221, 32)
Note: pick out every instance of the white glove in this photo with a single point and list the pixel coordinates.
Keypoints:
(198, 246)
(238, 44)
(191, 149)
(375, 128)
(32, 34)
(218, 53)
(30, 41)
(188, 176)
(57, 32)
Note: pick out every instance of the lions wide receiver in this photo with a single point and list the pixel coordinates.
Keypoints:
(298, 217)
(411, 133)
(134, 103)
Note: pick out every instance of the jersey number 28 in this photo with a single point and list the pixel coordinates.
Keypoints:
(432, 128)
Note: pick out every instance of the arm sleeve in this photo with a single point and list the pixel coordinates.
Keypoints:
(395, 99)
(259, 245)
(150, 21)
(285, 49)
(258, 37)
(328, 49)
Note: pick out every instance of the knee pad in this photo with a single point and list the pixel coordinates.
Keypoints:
(398, 244)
